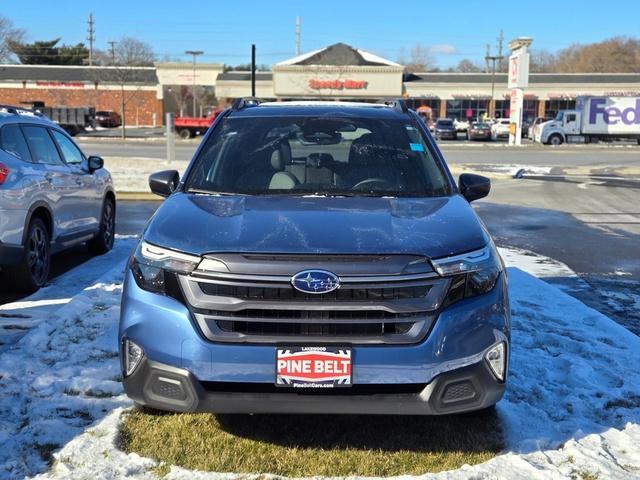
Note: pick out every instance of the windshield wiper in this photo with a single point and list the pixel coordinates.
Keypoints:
(211, 192)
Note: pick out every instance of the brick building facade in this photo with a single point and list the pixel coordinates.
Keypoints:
(98, 87)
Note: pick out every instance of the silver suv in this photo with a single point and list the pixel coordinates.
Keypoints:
(52, 197)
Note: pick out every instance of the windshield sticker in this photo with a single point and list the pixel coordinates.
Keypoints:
(416, 147)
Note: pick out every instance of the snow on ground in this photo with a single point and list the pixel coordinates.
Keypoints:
(18, 317)
(131, 174)
(572, 407)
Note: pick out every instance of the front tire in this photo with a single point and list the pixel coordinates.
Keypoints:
(33, 270)
(555, 139)
(103, 242)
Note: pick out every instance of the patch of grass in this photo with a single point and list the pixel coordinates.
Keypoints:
(310, 445)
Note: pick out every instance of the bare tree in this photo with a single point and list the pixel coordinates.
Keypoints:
(9, 34)
(420, 59)
(467, 66)
(131, 52)
(616, 54)
(542, 61)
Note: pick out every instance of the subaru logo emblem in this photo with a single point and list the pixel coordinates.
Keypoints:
(315, 281)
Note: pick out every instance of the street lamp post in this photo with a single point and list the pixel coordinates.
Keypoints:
(194, 53)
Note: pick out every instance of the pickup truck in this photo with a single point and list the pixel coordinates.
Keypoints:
(188, 127)
(593, 119)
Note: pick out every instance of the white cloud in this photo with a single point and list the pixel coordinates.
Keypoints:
(443, 49)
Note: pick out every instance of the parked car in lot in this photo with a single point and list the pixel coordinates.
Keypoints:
(479, 131)
(461, 125)
(316, 247)
(52, 197)
(500, 129)
(108, 118)
(445, 129)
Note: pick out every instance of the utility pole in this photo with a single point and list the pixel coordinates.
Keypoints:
(112, 47)
(253, 69)
(194, 53)
(493, 59)
(90, 37)
(500, 40)
(297, 36)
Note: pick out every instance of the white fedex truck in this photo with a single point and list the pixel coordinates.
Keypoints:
(594, 118)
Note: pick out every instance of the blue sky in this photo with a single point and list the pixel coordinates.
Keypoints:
(224, 30)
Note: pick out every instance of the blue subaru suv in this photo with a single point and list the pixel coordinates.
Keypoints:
(316, 257)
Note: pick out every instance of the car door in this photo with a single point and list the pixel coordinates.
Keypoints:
(59, 184)
(89, 205)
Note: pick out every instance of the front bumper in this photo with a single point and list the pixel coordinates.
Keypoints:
(201, 375)
(169, 388)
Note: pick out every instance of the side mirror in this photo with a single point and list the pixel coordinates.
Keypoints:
(472, 187)
(164, 183)
(94, 163)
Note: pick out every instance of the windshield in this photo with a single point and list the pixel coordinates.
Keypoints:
(445, 123)
(559, 116)
(480, 125)
(317, 156)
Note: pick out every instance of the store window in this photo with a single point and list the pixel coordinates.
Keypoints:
(553, 106)
(432, 103)
(467, 109)
(529, 109)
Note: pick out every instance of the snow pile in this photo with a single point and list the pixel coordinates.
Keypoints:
(572, 408)
(18, 317)
(131, 174)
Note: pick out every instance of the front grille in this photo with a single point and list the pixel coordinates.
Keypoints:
(314, 329)
(288, 293)
(374, 304)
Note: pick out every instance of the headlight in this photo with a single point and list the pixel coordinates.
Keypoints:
(154, 268)
(474, 273)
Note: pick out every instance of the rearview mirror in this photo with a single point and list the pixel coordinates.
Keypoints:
(164, 183)
(472, 187)
(94, 163)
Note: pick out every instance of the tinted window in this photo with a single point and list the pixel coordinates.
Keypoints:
(445, 123)
(317, 155)
(70, 152)
(13, 142)
(42, 146)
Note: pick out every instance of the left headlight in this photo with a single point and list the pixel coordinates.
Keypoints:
(474, 273)
(154, 268)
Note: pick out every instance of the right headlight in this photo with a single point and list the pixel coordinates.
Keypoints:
(474, 273)
(154, 268)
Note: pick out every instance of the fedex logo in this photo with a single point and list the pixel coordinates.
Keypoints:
(613, 115)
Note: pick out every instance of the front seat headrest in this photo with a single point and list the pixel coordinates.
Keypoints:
(281, 156)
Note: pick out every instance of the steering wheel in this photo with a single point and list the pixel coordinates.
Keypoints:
(368, 183)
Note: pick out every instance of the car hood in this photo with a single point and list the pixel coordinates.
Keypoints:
(199, 224)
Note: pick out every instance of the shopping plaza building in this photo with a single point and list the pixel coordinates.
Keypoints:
(337, 72)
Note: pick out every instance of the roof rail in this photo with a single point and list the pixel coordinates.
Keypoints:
(20, 110)
(398, 104)
(245, 102)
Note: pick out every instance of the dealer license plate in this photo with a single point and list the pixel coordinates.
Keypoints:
(313, 367)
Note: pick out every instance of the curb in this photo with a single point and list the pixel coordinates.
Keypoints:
(138, 196)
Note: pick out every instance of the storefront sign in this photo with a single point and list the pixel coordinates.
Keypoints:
(40, 83)
(337, 84)
(519, 70)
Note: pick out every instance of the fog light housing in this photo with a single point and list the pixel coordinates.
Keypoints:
(496, 358)
(133, 354)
